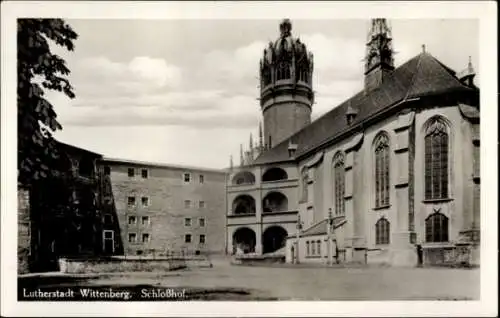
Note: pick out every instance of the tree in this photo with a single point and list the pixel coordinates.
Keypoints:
(38, 70)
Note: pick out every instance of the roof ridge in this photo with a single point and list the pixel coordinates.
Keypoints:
(414, 77)
(448, 69)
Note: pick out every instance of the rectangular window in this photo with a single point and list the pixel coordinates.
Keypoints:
(308, 251)
(132, 237)
(107, 170)
(132, 220)
(145, 237)
(145, 220)
(202, 238)
(202, 204)
(187, 238)
(108, 235)
(145, 201)
(202, 179)
(187, 177)
(131, 201)
(187, 221)
(187, 204)
(313, 248)
(131, 172)
(202, 222)
(144, 173)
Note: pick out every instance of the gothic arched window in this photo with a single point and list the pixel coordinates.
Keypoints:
(339, 183)
(436, 228)
(382, 231)
(382, 181)
(283, 71)
(436, 160)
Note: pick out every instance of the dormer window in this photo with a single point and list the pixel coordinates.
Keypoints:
(292, 148)
(350, 114)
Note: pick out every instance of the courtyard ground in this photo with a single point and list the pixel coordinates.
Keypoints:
(230, 282)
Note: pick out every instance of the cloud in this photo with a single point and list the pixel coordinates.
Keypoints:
(219, 89)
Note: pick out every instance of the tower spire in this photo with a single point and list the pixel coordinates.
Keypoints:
(379, 59)
(242, 159)
(231, 162)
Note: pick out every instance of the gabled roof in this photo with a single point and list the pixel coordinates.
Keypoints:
(421, 76)
(321, 227)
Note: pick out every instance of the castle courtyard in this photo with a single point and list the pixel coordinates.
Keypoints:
(281, 282)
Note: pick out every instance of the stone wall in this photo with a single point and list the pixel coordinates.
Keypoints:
(110, 265)
(454, 255)
(24, 233)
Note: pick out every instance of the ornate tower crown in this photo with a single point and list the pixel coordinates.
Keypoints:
(286, 95)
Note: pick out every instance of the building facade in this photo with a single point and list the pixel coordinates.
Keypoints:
(59, 216)
(155, 209)
(389, 176)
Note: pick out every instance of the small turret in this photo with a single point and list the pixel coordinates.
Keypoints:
(467, 76)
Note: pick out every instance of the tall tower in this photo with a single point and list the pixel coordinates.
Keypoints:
(379, 60)
(286, 95)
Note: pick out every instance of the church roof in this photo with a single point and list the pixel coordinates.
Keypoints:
(321, 228)
(421, 76)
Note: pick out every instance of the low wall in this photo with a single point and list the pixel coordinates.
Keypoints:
(457, 255)
(114, 264)
(248, 259)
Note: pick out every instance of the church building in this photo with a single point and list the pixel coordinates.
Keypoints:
(389, 176)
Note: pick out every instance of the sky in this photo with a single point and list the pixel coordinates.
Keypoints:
(185, 91)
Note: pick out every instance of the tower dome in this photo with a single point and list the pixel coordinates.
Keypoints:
(286, 97)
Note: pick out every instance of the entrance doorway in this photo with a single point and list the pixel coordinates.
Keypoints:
(244, 240)
(274, 238)
(108, 241)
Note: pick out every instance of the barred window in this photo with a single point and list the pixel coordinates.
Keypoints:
(382, 182)
(436, 228)
(382, 231)
(339, 183)
(436, 160)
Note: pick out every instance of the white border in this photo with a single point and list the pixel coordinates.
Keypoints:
(486, 12)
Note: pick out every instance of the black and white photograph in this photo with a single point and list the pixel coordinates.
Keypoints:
(223, 158)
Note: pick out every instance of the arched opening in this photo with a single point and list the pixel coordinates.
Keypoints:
(244, 241)
(274, 174)
(243, 177)
(244, 204)
(436, 228)
(274, 238)
(275, 202)
(86, 167)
